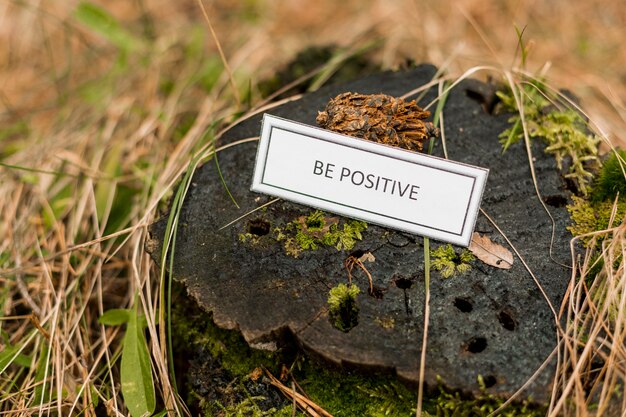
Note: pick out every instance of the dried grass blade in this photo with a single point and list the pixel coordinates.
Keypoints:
(303, 402)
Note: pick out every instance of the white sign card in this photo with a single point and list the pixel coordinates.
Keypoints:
(380, 184)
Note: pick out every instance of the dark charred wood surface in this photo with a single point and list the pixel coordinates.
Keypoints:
(489, 322)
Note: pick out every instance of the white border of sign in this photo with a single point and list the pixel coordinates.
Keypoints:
(471, 176)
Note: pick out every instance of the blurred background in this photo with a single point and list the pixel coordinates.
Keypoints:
(577, 44)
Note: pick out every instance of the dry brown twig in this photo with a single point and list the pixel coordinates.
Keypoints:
(303, 402)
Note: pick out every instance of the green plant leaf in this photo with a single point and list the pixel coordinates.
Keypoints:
(136, 370)
(102, 22)
(41, 375)
(114, 317)
(10, 355)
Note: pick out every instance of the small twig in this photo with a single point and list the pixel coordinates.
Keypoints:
(35, 321)
(349, 264)
(303, 402)
(249, 213)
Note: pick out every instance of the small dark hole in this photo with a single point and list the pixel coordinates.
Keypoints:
(358, 253)
(555, 200)
(346, 316)
(377, 292)
(507, 321)
(476, 345)
(487, 99)
(489, 381)
(463, 305)
(571, 185)
(315, 223)
(258, 227)
(403, 283)
(475, 95)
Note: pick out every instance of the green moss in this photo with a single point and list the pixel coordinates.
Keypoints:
(453, 404)
(309, 233)
(611, 180)
(340, 392)
(344, 394)
(449, 263)
(588, 216)
(247, 237)
(317, 230)
(387, 323)
(193, 327)
(247, 408)
(562, 129)
(342, 308)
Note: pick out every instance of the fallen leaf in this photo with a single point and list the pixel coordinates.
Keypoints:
(491, 253)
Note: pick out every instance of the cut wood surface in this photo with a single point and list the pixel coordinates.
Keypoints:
(490, 322)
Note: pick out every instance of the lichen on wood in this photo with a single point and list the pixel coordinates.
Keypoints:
(379, 118)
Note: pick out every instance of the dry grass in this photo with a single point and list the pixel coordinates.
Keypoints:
(593, 354)
(95, 131)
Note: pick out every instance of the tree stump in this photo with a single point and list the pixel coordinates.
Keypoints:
(489, 322)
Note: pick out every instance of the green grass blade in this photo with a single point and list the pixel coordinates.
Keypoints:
(522, 48)
(37, 171)
(102, 22)
(115, 317)
(219, 172)
(514, 133)
(10, 355)
(41, 375)
(136, 370)
(335, 63)
(169, 247)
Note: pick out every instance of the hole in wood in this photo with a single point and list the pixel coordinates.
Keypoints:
(489, 381)
(475, 345)
(258, 227)
(507, 321)
(357, 253)
(346, 317)
(403, 283)
(343, 311)
(463, 305)
(377, 292)
(555, 200)
(487, 98)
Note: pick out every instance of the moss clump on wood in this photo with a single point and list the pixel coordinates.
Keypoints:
(249, 408)
(343, 311)
(594, 213)
(309, 232)
(317, 230)
(562, 128)
(591, 216)
(449, 263)
(611, 180)
(449, 404)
